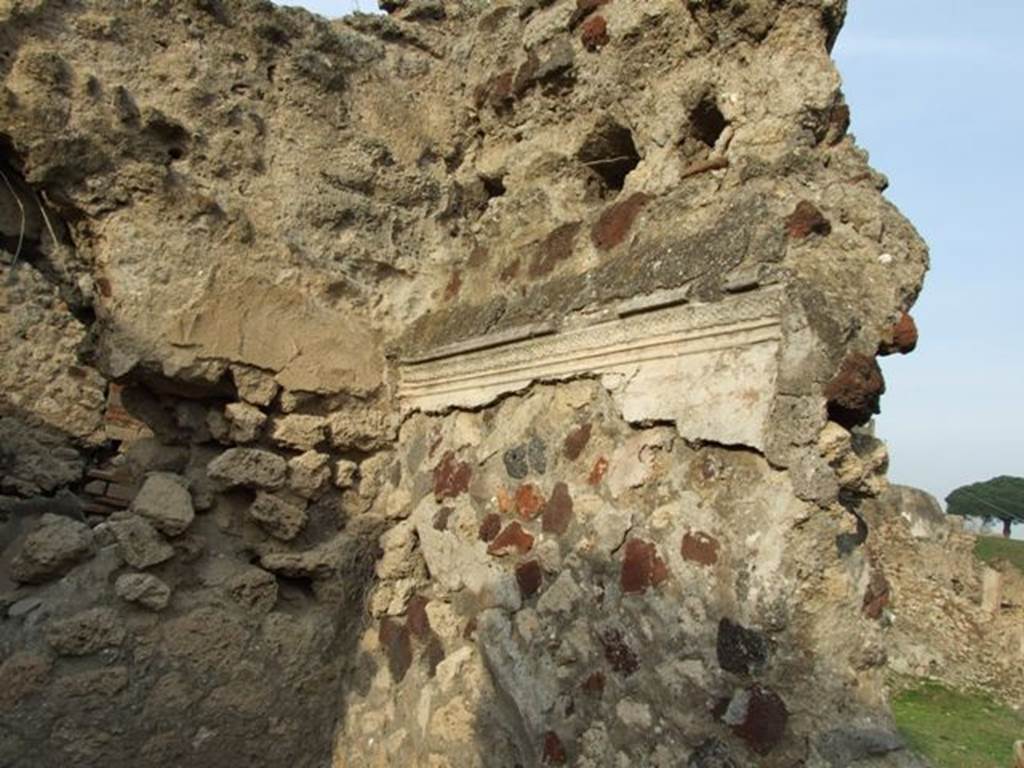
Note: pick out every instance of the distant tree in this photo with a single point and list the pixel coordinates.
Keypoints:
(1001, 498)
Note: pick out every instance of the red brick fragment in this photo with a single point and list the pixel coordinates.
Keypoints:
(594, 684)
(901, 338)
(595, 33)
(616, 221)
(451, 478)
(416, 619)
(530, 577)
(510, 272)
(454, 286)
(554, 752)
(705, 166)
(599, 471)
(877, 595)
(512, 539)
(499, 90)
(699, 548)
(490, 527)
(642, 568)
(807, 220)
(577, 440)
(554, 249)
(529, 501)
(558, 510)
(838, 122)
(765, 721)
(394, 639)
(854, 394)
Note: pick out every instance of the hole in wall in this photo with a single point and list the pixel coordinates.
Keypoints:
(707, 122)
(494, 186)
(610, 154)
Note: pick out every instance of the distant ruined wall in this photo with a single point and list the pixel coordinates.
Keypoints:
(481, 384)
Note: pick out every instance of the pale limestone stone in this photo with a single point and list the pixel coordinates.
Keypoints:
(562, 596)
(453, 667)
(610, 524)
(145, 589)
(246, 421)
(530, 679)
(709, 368)
(445, 621)
(51, 550)
(398, 545)
(296, 338)
(251, 467)
(345, 473)
(278, 517)
(138, 543)
(401, 592)
(253, 385)
(991, 591)
(299, 431)
(309, 474)
(321, 562)
(634, 714)
(633, 462)
(459, 564)
(165, 502)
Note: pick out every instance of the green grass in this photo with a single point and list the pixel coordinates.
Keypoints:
(990, 548)
(957, 730)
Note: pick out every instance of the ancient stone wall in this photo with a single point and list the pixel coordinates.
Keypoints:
(483, 384)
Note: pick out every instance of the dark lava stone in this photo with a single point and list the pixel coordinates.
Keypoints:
(516, 462)
(740, 650)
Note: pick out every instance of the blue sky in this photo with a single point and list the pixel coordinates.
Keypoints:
(935, 90)
(332, 8)
(934, 86)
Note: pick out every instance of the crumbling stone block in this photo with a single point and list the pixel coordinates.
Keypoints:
(855, 391)
(310, 473)
(166, 503)
(281, 519)
(138, 543)
(299, 431)
(145, 589)
(246, 422)
(254, 386)
(55, 547)
(85, 633)
(251, 467)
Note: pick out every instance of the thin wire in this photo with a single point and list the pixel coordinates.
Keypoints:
(1012, 515)
(24, 220)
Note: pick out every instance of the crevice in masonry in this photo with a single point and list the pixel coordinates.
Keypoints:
(847, 543)
(705, 128)
(36, 236)
(610, 155)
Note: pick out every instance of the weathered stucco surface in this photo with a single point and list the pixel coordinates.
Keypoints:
(483, 384)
